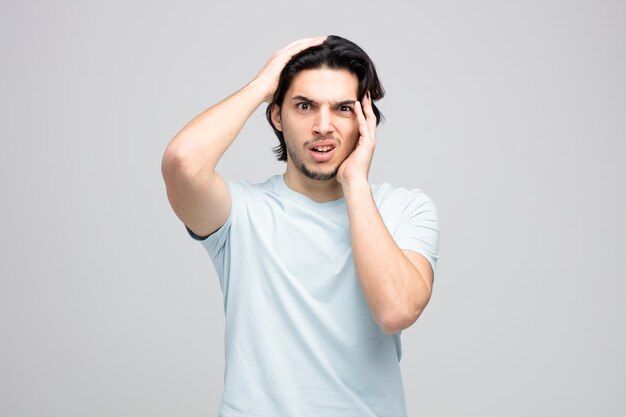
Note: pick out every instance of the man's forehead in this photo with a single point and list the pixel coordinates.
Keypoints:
(324, 85)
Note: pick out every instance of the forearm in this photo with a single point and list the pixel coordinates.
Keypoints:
(393, 287)
(201, 143)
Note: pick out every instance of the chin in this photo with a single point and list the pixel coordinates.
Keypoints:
(319, 175)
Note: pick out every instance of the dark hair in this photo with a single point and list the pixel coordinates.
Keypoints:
(334, 53)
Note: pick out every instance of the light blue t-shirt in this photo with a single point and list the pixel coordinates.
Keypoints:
(300, 340)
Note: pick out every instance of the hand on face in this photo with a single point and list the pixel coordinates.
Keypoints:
(270, 73)
(356, 166)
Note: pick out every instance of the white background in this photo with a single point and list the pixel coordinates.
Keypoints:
(509, 115)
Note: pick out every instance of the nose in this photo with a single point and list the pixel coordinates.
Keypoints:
(323, 122)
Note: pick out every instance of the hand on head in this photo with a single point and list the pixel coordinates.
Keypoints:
(356, 166)
(270, 73)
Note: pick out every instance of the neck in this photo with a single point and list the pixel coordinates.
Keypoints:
(320, 191)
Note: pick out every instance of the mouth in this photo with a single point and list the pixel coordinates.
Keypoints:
(322, 151)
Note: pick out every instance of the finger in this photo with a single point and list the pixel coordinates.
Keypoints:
(301, 44)
(305, 40)
(296, 42)
(284, 55)
(360, 117)
(368, 110)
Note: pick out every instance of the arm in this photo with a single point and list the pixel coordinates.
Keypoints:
(397, 284)
(198, 195)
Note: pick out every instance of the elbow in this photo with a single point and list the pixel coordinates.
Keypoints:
(170, 163)
(396, 321)
(179, 163)
(173, 160)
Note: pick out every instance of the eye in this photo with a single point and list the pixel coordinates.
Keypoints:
(303, 106)
(345, 108)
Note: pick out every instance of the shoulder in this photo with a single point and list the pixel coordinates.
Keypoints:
(412, 218)
(244, 195)
(244, 188)
(388, 196)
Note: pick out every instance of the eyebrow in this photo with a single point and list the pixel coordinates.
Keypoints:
(310, 100)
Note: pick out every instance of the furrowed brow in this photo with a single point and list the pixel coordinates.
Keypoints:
(310, 100)
(303, 98)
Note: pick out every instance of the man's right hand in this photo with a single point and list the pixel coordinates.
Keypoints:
(270, 73)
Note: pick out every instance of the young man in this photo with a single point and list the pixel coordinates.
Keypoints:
(320, 269)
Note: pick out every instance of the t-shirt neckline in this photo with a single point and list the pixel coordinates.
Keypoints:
(329, 205)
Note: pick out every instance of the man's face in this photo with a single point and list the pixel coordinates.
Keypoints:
(318, 121)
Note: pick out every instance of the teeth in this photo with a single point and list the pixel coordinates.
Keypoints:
(323, 148)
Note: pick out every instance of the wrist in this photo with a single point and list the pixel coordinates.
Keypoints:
(355, 186)
(262, 88)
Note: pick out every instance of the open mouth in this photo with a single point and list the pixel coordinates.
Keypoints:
(322, 149)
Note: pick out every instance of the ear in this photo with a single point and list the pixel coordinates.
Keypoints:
(276, 117)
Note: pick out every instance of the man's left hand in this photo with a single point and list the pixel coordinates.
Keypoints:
(356, 167)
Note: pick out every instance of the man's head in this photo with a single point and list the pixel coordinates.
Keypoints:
(335, 53)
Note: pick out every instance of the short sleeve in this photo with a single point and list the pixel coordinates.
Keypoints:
(217, 241)
(418, 227)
